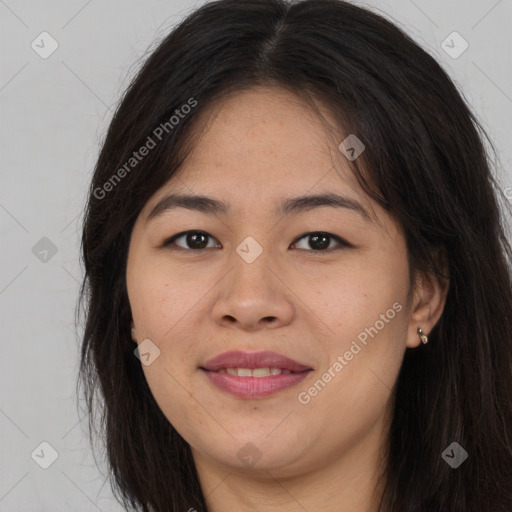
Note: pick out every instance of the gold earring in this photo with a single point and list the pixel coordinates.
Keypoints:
(422, 335)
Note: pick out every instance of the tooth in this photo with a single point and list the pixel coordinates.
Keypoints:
(261, 372)
(256, 372)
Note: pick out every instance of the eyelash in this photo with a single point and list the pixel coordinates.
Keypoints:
(343, 244)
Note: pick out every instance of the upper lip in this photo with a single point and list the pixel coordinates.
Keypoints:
(265, 359)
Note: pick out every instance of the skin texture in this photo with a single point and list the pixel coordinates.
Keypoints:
(262, 146)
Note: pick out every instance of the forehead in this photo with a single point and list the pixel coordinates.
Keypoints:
(256, 148)
(265, 141)
(272, 131)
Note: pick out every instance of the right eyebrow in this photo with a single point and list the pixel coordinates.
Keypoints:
(202, 204)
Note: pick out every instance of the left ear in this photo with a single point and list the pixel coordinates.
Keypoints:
(429, 299)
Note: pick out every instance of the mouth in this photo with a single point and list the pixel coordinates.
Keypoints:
(254, 375)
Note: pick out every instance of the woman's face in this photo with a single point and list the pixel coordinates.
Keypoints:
(255, 281)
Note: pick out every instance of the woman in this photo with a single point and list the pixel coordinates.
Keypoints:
(298, 283)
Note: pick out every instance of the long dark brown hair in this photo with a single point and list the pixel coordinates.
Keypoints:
(425, 162)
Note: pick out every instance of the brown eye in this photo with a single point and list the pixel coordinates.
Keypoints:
(194, 240)
(320, 241)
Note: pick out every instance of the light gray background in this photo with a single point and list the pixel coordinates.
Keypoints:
(54, 114)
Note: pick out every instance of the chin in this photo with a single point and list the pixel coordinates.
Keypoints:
(255, 454)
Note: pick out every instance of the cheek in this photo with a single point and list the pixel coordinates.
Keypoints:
(159, 298)
(354, 390)
(178, 403)
(163, 302)
(354, 297)
(366, 312)
(160, 304)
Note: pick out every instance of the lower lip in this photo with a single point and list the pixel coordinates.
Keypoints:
(254, 387)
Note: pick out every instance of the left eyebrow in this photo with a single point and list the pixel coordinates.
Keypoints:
(295, 205)
(306, 203)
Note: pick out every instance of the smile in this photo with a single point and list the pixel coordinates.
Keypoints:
(253, 375)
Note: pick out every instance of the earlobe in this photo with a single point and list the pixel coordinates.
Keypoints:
(429, 300)
(133, 332)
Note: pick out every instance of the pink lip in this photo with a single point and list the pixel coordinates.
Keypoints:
(254, 387)
(239, 359)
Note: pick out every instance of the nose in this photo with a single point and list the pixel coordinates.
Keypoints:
(253, 296)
